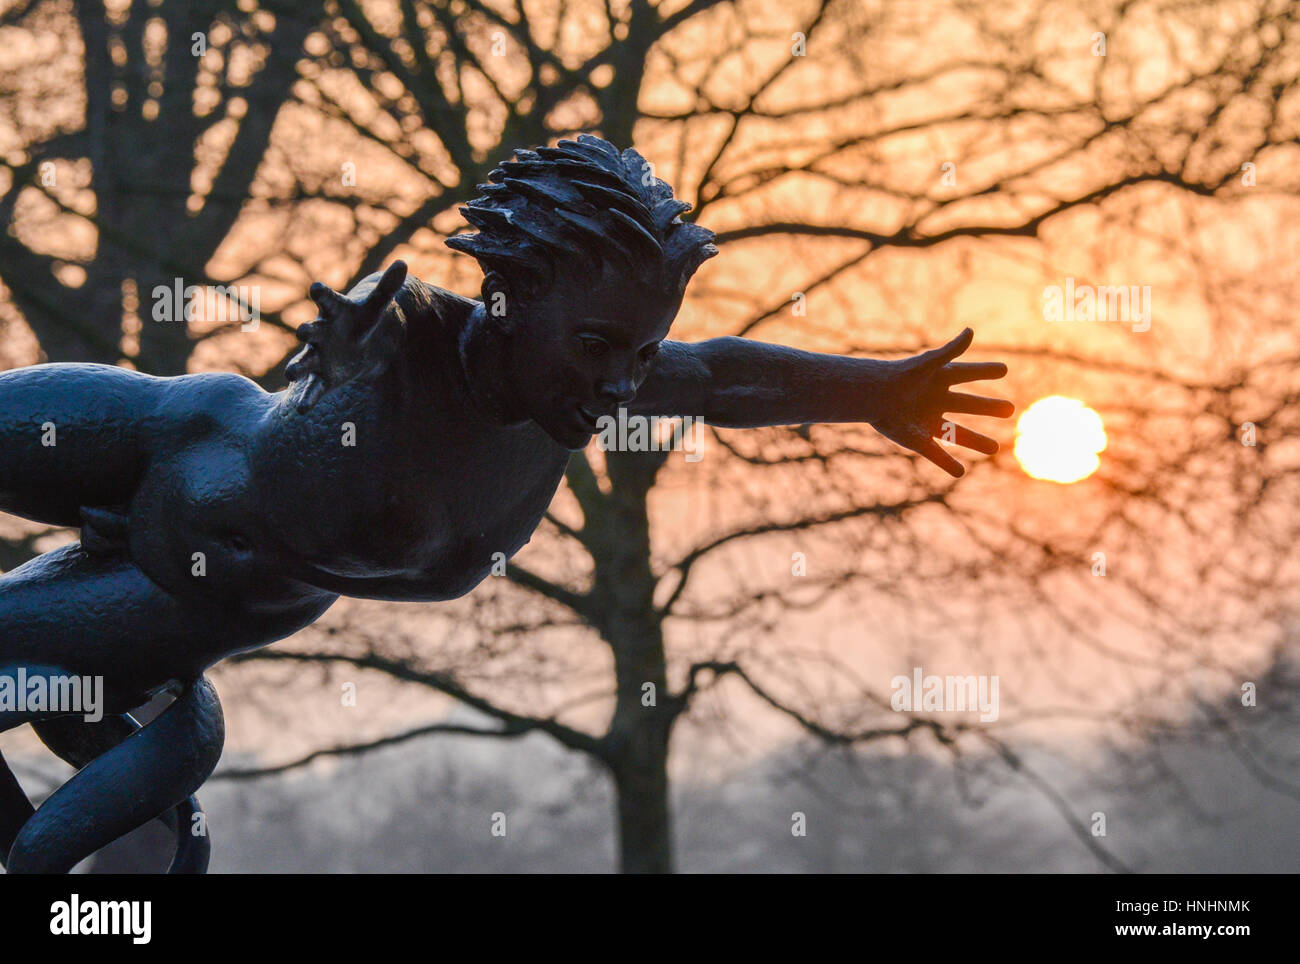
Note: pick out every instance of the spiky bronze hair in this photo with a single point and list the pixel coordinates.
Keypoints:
(577, 206)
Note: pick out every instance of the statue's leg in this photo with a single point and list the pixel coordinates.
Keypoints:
(99, 619)
(150, 772)
(15, 808)
(79, 743)
(70, 437)
(63, 614)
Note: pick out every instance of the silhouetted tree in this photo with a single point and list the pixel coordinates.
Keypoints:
(870, 166)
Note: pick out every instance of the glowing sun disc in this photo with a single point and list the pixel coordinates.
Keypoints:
(1058, 438)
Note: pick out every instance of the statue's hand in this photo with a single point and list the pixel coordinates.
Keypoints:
(918, 394)
(349, 339)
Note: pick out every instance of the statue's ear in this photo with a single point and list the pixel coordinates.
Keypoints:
(498, 302)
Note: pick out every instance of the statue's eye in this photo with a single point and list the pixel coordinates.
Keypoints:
(593, 345)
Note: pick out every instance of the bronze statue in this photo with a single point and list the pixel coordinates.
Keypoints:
(421, 434)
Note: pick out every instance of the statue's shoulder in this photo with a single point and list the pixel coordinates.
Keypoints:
(435, 321)
(389, 322)
(431, 310)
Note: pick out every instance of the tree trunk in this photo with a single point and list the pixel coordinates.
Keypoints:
(643, 717)
(645, 843)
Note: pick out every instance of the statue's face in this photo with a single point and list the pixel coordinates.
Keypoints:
(581, 352)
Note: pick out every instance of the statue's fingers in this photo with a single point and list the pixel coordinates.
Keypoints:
(941, 356)
(958, 372)
(393, 279)
(933, 451)
(302, 364)
(329, 301)
(978, 405)
(971, 440)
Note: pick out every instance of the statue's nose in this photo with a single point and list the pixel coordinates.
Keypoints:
(619, 393)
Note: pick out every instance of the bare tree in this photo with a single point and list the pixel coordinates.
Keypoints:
(873, 165)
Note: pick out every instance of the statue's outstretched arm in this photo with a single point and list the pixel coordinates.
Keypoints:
(738, 383)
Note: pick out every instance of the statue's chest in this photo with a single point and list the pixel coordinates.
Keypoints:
(489, 503)
(359, 495)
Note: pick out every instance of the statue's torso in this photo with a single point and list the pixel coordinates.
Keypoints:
(383, 482)
(396, 480)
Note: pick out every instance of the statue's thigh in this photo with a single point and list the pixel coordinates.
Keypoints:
(68, 612)
(101, 617)
(69, 436)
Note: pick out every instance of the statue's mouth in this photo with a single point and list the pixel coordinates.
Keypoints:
(590, 417)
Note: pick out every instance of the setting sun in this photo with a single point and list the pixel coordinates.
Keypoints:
(1058, 438)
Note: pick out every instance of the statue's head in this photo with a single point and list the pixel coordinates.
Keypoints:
(585, 260)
